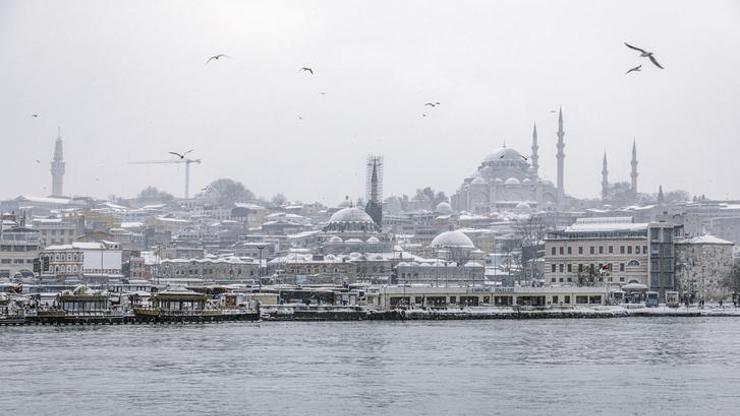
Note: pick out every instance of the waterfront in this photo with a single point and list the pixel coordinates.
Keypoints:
(619, 366)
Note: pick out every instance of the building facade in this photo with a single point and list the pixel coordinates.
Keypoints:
(703, 268)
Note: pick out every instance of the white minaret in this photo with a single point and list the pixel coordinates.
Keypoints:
(604, 179)
(535, 156)
(634, 167)
(57, 168)
(561, 157)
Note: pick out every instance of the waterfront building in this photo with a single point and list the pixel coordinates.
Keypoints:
(703, 268)
(211, 268)
(19, 247)
(440, 273)
(92, 261)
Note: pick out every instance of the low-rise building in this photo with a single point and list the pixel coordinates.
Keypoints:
(703, 268)
(92, 261)
(210, 268)
(19, 247)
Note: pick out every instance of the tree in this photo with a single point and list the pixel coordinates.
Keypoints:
(226, 192)
(279, 200)
(429, 198)
(150, 194)
(587, 276)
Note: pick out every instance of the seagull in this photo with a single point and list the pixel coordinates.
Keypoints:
(323, 93)
(181, 156)
(524, 157)
(35, 115)
(217, 57)
(306, 69)
(299, 117)
(553, 111)
(635, 69)
(434, 104)
(38, 161)
(423, 115)
(645, 54)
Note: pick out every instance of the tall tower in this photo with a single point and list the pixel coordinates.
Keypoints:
(561, 157)
(374, 188)
(604, 180)
(634, 167)
(535, 157)
(57, 167)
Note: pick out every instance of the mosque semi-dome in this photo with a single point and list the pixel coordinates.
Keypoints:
(452, 239)
(512, 181)
(443, 208)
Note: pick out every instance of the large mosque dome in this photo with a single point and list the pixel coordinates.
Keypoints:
(452, 239)
(351, 219)
(503, 153)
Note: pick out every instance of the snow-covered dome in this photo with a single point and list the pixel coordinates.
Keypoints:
(373, 240)
(335, 240)
(453, 238)
(512, 181)
(503, 153)
(523, 205)
(353, 241)
(443, 208)
(350, 214)
(351, 219)
(478, 181)
(527, 180)
(498, 180)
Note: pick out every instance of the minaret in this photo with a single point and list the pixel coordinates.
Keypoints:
(661, 197)
(535, 157)
(634, 168)
(561, 157)
(604, 180)
(57, 167)
(374, 192)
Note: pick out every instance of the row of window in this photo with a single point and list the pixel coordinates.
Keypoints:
(592, 250)
(16, 261)
(570, 279)
(609, 266)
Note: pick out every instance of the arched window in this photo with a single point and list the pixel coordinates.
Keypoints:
(633, 263)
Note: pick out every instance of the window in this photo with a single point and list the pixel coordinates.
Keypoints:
(621, 278)
(580, 268)
(553, 251)
(621, 249)
(566, 299)
(611, 249)
(621, 267)
(644, 249)
(554, 299)
(561, 280)
(633, 263)
(561, 251)
(580, 250)
(553, 268)
(591, 250)
(570, 268)
(601, 249)
(553, 280)
(629, 249)
(570, 250)
(637, 249)
(570, 279)
(561, 267)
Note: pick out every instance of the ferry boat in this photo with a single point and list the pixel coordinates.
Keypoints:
(183, 305)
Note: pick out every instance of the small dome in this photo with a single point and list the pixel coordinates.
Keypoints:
(353, 241)
(335, 240)
(478, 181)
(443, 208)
(527, 180)
(452, 239)
(523, 205)
(498, 180)
(512, 181)
(503, 153)
(373, 240)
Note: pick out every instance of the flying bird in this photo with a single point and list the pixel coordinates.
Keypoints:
(635, 69)
(181, 155)
(423, 115)
(323, 93)
(645, 54)
(217, 57)
(306, 69)
(553, 111)
(434, 104)
(300, 118)
(35, 115)
(38, 161)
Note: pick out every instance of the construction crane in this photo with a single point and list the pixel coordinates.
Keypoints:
(187, 163)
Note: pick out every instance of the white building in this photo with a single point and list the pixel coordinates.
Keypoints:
(91, 260)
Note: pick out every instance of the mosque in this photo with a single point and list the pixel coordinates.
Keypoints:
(506, 179)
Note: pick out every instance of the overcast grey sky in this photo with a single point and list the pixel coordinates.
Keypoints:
(126, 81)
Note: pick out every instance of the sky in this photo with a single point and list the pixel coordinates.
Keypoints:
(127, 81)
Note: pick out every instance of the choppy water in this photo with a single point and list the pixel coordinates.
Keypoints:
(660, 366)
